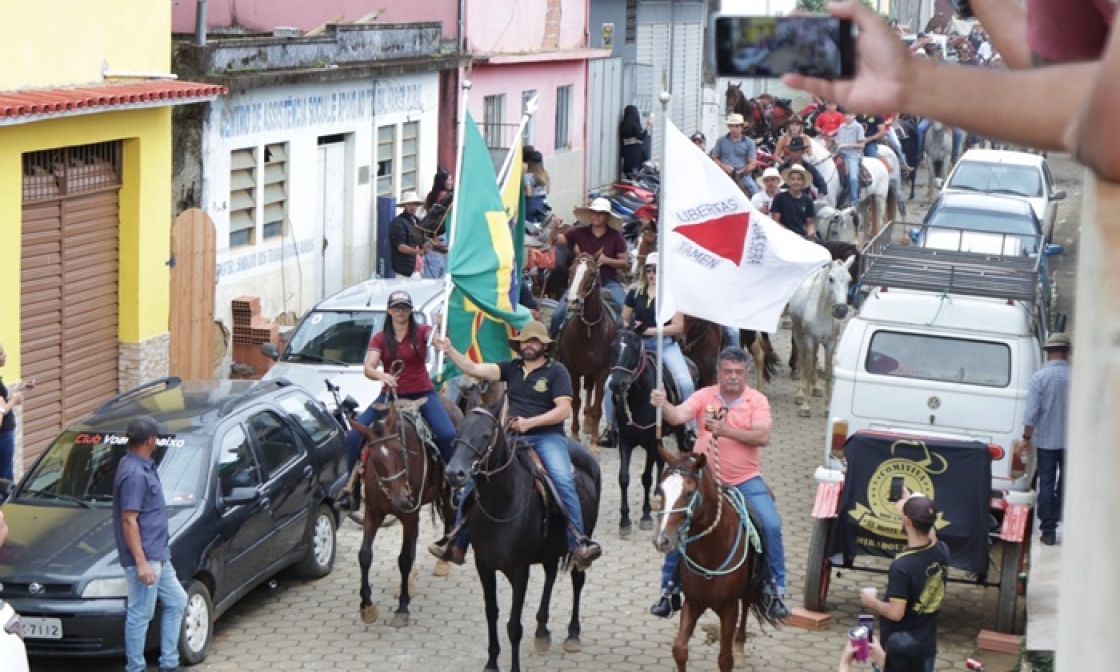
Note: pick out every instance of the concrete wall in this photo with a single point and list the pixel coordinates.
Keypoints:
(613, 12)
(264, 15)
(516, 26)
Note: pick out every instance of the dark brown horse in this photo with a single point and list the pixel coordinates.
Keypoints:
(766, 361)
(720, 568)
(585, 344)
(737, 103)
(401, 476)
(701, 342)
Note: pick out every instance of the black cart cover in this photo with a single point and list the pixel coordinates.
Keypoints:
(957, 475)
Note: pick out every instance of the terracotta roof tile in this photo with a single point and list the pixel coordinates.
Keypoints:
(84, 98)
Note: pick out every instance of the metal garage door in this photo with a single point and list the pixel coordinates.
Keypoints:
(605, 111)
(68, 306)
(670, 54)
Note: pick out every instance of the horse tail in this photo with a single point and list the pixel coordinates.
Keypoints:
(771, 358)
(894, 202)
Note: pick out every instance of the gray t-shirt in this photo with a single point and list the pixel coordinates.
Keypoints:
(847, 134)
(735, 153)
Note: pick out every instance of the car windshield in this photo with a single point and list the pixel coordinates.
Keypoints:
(1023, 181)
(79, 468)
(950, 360)
(334, 335)
(985, 221)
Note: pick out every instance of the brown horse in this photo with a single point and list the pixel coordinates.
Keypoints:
(720, 568)
(701, 342)
(766, 361)
(585, 343)
(737, 103)
(401, 476)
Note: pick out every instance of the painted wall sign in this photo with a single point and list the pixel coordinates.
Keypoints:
(296, 112)
(241, 262)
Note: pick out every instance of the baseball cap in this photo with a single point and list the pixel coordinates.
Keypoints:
(920, 509)
(399, 298)
(698, 136)
(797, 142)
(140, 429)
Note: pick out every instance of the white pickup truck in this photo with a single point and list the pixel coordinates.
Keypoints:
(943, 348)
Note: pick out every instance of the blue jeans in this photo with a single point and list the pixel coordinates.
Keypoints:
(852, 162)
(871, 149)
(141, 608)
(674, 362)
(770, 523)
(8, 455)
(618, 295)
(670, 572)
(435, 264)
(536, 208)
(748, 181)
(433, 413)
(892, 139)
(1051, 482)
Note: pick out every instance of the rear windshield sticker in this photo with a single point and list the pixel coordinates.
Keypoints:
(85, 438)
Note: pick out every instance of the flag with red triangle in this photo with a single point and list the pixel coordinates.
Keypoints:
(721, 259)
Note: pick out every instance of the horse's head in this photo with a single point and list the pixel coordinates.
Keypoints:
(388, 456)
(839, 280)
(477, 439)
(733, 97)
(837, 224)
(627, 357)
(680, 492)
(583, 280)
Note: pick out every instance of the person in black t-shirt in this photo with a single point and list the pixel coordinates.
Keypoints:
(405, 240)
(874, 129)
(915, 589)
(539, 391)
(794, 209)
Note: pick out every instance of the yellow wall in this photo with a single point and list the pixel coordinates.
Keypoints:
(145, 215)
(61, 42)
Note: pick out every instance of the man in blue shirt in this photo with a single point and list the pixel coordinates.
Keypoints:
(1045, 424)
(140, 528)
(736, 154)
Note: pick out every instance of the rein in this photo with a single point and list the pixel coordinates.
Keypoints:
(583, 301)
(634, 376)
(483, 458)
(383, 481)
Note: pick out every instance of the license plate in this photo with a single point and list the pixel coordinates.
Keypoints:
(41, 628)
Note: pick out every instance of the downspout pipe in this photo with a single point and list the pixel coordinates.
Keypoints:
(200, 23)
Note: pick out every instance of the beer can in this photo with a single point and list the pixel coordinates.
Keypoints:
(858, 636)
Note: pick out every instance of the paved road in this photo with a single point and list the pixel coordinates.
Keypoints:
(300, 625)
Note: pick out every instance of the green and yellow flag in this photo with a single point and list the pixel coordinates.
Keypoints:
(483, 261)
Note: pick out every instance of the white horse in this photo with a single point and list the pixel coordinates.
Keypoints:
(815, 309)
(879, 202)
(938, 151)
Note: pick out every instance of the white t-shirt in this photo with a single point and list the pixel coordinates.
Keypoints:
(761, 200)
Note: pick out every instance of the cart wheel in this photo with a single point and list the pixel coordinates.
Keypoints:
(1009, 585)
(818, 575)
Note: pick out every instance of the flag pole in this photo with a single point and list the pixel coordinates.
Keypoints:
(664, 97)
(447, 285)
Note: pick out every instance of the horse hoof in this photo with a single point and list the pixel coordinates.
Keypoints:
(794, 374)
(625, 530)
(369, 614)
(804, 411)
(799, 400)
(740, 659)
(572, 645)
(442, 568)
(818, 392)
(542, 644)
(400, 620)
(646, 524)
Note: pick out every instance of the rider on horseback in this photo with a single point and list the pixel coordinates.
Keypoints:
(600, 236)
(540, 401)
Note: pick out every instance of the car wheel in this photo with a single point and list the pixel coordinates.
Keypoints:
(320, 547)
(198, 625)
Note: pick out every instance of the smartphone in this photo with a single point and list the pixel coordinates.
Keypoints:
(771, 46)
(868, 621)
(897, 483)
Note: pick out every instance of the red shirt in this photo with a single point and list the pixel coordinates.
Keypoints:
(1073, 30)
(414, 379)
(738, 462)
(828, 122)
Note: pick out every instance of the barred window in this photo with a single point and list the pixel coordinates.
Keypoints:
(564, 117)
(386, 149)
(275, 188)
(242, 196)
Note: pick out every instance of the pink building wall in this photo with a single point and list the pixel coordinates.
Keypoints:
(544, 78)
(264, 15)
(517, 26)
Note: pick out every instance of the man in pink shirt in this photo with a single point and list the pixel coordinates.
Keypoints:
(739, 439)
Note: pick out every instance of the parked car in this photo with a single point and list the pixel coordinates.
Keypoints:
(331, 341)
(1009, 173)
(251, 475)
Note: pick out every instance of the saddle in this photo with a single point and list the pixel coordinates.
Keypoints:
(543, 482)
(409, 410)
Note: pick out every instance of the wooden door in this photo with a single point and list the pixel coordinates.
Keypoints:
(192, 296)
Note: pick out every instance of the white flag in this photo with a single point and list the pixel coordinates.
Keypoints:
(721, 259)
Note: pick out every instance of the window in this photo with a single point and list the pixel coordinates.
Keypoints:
(386, 148)
(237, 464)
(631, 21)
(278, 444)
(410, 152)
(563, 117)
(310, 416)
(950, 360)
(493, 119)
(242, 196)
(275, 190)
(531, 127)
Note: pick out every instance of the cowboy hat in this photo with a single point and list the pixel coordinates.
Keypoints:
(796, 168)
(771, 172)
(532, 329)
(795, 119)
(797, 142)
(651, 259)
(409, 197)
(1058, 341)
(734, 119)
(583, 213)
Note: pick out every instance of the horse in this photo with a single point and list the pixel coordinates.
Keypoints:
(818, 303)
(506, 525)
(551, 263)
(585, 342)
(701, 343)
(907, 130)
(766, 360)
(720, 567)
(878, 202)
(938, 148)
(736, 102)
(402, 474)
(633, 377)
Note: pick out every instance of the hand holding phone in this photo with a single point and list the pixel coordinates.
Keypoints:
(897, 485)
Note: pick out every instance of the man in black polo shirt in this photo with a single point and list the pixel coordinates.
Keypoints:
(794, 208)
(540, 400)
(405, 240)
(140, 528)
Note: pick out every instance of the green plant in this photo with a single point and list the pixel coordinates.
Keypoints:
(1039, 661)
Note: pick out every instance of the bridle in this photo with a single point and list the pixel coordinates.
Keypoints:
(632, 376)
(581, 299)
(383, 481)
(482, 456)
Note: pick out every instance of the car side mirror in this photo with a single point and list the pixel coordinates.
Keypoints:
(269, 350)
(239, 496)
(1054, 250)
(1057, 194)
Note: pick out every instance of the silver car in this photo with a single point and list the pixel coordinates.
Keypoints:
(331, 340)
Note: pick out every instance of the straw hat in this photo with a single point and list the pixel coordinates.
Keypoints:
(410, 197)
(651, 259)
(583, 213)
(771, 172)
(533, 329)
(735, 119)
(797, 168)
(1058, 341)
